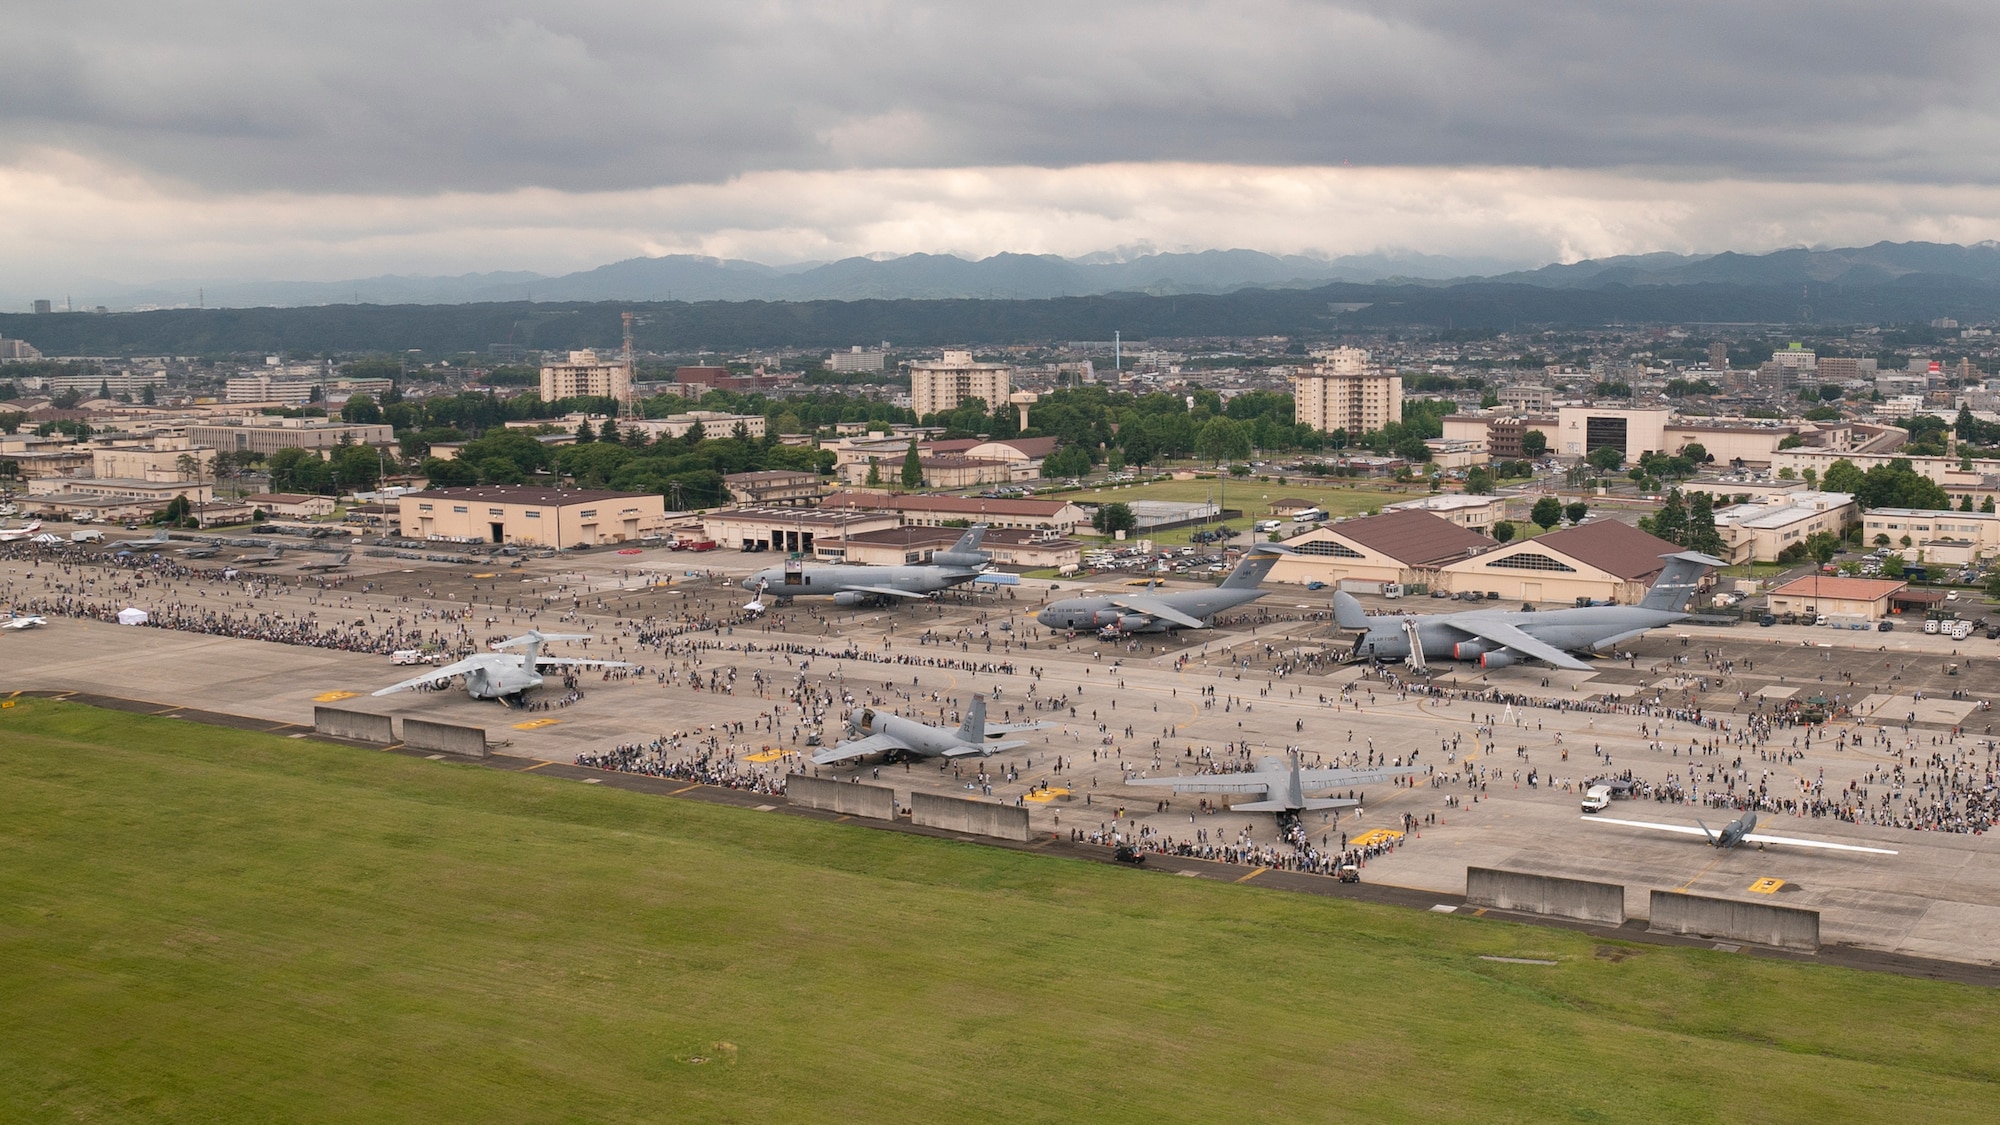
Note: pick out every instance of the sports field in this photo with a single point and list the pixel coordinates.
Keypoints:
(211, 925)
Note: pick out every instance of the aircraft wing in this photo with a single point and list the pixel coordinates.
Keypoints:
(993, 729)
(1794, 841)
(22, 623)
(886, 591)
(968, 750)
(581, 662)
(1315, 779)
(1141, 603)
(1501, 633)
(1682, 829)
(859, 748)
(458, 669)
(1211, 782)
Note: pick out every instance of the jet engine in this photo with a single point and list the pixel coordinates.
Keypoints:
(1470, 650)
(850, 597)
(1499, 658)
(1106, 617)
(1133, 622)
(972, 561)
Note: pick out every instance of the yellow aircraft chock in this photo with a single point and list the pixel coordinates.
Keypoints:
(1766, 886)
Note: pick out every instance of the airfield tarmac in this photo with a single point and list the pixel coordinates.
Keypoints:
(1939, 898)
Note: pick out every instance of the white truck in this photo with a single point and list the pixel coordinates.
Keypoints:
(1597, 798)
(86, 535)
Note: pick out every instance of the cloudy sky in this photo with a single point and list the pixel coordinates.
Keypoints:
(325, 139)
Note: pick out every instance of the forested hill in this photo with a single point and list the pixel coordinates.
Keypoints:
(733, 325)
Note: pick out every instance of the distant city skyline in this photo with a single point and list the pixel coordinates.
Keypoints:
(143, 144)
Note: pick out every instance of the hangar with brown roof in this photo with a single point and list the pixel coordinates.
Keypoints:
(1602, 560)
(1395, 547)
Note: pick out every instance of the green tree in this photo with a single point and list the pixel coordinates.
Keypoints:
(1671, 523)
(913, 467)
(875, 472)
(1502, 531)
(1986, 505)
(1843, 476)
(1222, 439)
(1701, 532)
(585, 432)
(146, 396)
(10, 421)
(1534, 443)
(1114, 517)
(609, 431)
(1575, 511)
(1547, 512)
(1892, 565)
(361, 410)
(1478, 481)
(1607, 458)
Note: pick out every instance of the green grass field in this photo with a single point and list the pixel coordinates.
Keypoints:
(210, 925)
(1249, 496)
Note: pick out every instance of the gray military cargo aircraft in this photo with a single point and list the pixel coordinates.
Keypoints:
(1497, 638)
(897, 737)
(1281, 785)
(1145, 612)
(862, 585)
(1738, 831)
(502, 675)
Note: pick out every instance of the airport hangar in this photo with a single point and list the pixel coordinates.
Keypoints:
(1602, 560)
(531, 515)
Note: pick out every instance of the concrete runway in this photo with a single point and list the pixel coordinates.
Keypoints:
(1938, 899)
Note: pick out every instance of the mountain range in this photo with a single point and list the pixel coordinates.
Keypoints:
(684, 277)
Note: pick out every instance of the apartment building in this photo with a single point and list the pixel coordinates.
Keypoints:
(944, 383)
(1344, 391)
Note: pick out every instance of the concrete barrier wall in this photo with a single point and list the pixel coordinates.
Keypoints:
(877, 802)
(1783, 926)
(980, 818)
(423, 734)
(357, 725)
(1602, 903)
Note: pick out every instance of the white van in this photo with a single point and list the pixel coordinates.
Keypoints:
(87, 535)
(1597, 799)
(1269, 525)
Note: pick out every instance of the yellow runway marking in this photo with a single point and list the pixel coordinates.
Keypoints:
(1766, 886)
(769, 754)
(1044, 796)
(1253, 875)
(536, 724)
(536, 766)
(1697, 875)
(334, 696)
(486, 576)
(1373, 837)
(678, 792)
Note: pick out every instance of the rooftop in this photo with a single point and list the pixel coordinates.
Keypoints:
(1413, 537)
(956, 505)
(526, 494)
(1843, 589)
(1782, 510)
(1610, 546)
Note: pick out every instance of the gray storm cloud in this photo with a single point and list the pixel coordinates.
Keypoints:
(420, 98)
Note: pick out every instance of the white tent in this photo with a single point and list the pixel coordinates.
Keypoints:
(132, 617)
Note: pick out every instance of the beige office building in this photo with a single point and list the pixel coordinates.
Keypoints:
(941, 384)
(270, 436)
(1344, 391)
(586, 374)
(530, 515)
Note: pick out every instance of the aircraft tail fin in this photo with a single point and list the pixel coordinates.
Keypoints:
(1677, 580)
(1347, 611)
(1255, 567)
(973, 729)
(1712, 841)
(966, 551)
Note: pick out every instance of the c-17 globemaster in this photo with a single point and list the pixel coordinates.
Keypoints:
(860, 585)
(895, 736)
(1137, 612)
(1497, 638)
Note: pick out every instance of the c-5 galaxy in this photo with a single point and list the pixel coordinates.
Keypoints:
(1156, 613)
(860, 585)
(1497, 638)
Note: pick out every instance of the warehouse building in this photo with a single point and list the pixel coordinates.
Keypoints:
(1365, 554)
(1602, 560)
(531, 515)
